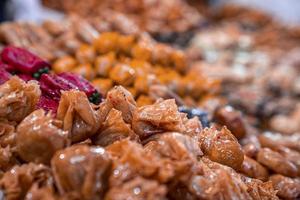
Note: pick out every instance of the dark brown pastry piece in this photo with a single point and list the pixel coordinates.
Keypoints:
(7, 134)
(232, 119)
(78, 116)
(137, 189)
(160, 117)
(276, 162)
(130, 160)
(41, 193)
(7, 159)
(166, 158)
(274, 140)
(82, 170)
(222, 147)
(221, 182)
(38, 138)
(114, 128)
(16, 182)
(18, 99)
(288, 188)
(253, 169)
(122, 100)
(181, 151)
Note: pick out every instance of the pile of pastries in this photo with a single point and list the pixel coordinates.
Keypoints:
(112, 148)
(93, 107)
(54, 39)
(155, 17)
(149, 70)
(257, 63)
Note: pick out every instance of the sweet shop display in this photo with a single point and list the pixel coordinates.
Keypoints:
(112, 143)
(116, 149)
(98, 106)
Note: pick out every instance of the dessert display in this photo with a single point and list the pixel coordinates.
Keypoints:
(92, 107)
(119, 150)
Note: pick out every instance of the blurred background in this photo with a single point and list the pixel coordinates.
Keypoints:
(287, 11)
